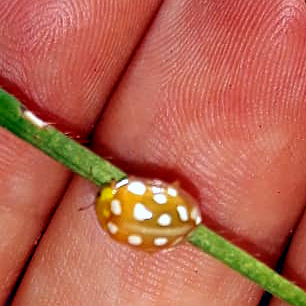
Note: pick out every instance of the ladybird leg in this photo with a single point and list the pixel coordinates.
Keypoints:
(85, 207)
(113, 184)
(91, 204)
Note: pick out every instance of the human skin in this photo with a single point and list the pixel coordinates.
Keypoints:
(210, 93)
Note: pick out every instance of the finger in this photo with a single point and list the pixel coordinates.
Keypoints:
(62, 59)
(76, 262)
(295, 268)
(206, 101)
(26, 201)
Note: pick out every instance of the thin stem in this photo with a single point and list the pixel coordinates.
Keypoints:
(55, 144)
(247, 265)
(90, 166)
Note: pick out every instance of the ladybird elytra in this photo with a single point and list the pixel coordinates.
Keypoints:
(146, 214)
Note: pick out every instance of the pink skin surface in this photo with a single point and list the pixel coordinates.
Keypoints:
(211, 93)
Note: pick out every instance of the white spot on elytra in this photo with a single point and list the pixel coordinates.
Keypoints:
(156, 189)
(116, 207)
(122, 183)
(160, 241)
(164, 220)
(160, 198)
(137, 188)
(172, 192)
(34, 119)
(196, 216)
(113, 228)
(141, 213)
(134, 240)
(182, 212)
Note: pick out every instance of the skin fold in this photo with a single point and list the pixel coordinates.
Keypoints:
(210, 93)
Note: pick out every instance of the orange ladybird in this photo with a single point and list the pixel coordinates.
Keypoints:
(147, 214)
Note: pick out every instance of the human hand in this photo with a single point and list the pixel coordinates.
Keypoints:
(213, 95)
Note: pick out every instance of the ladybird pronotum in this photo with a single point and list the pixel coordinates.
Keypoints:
(147, 214)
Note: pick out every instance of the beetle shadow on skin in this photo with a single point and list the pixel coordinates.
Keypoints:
(171, 175)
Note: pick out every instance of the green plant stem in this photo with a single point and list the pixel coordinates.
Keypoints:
(90, 166)
(247, 265)
(55, 144)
